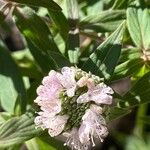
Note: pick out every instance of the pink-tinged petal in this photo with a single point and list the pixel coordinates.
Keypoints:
(48, 92)
(90, 83)
(86, 81)
(100, 94)
(96, 109)
(84, 98)
(105, 88)
(43, 92)
(50, 88)
(93, 126)
(53, 106)
(56, 125)
(39, 122)
(67, 80)
(71, 91)
(82, 82)
(84, 133)
(102, 99)
(74, 142)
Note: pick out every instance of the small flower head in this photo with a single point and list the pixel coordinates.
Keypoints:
(71, 103)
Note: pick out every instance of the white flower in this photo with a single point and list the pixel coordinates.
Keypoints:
(64, 109)
(73, 140)
(100, 94)
(93, 125)
(67, 79)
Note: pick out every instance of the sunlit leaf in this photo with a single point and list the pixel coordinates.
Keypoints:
(104, 21)
(138, 22)
(104, 59)
(73, 37)
(39, 33)
(24, 130)
(10, 81)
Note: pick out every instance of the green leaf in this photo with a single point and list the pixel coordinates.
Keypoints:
(109, 26)
(39, 47)
(53, 142)
(26, 64)
(130, 53)
(18, 130)
(92, 7)
(103, 60)
(139, 93)
(39, 33)
(120, 4)
(131, 64)
(115, 113)
(137, 143)
(4, 116)
(45, 62)
(11, 82)
(61, 23)
(128, 68)
(59, 59)
(138, 22)
(104, 21)
(73, 38)
(50, 4)
(37, 144)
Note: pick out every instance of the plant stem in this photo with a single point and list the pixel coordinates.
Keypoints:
(139, 125)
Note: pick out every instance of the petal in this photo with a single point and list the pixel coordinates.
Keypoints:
(48, 92)
(105, 88)
(84, 98)
(93, 125)
(56, 125)
(84, 133)
(71, 91)
(68, 77)
(82, 82)
(51, 106)
(102, 99)
(73, 141)
(39, 122)
(86, 81)
(101, 131)
(96, 109)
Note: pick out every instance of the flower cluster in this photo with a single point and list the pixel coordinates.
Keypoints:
(71, 103)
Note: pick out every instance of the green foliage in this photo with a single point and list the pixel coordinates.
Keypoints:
(50, 4)
(138, 21)
(109, 38)
(11, 84)
(104, 59)
(24, 129)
